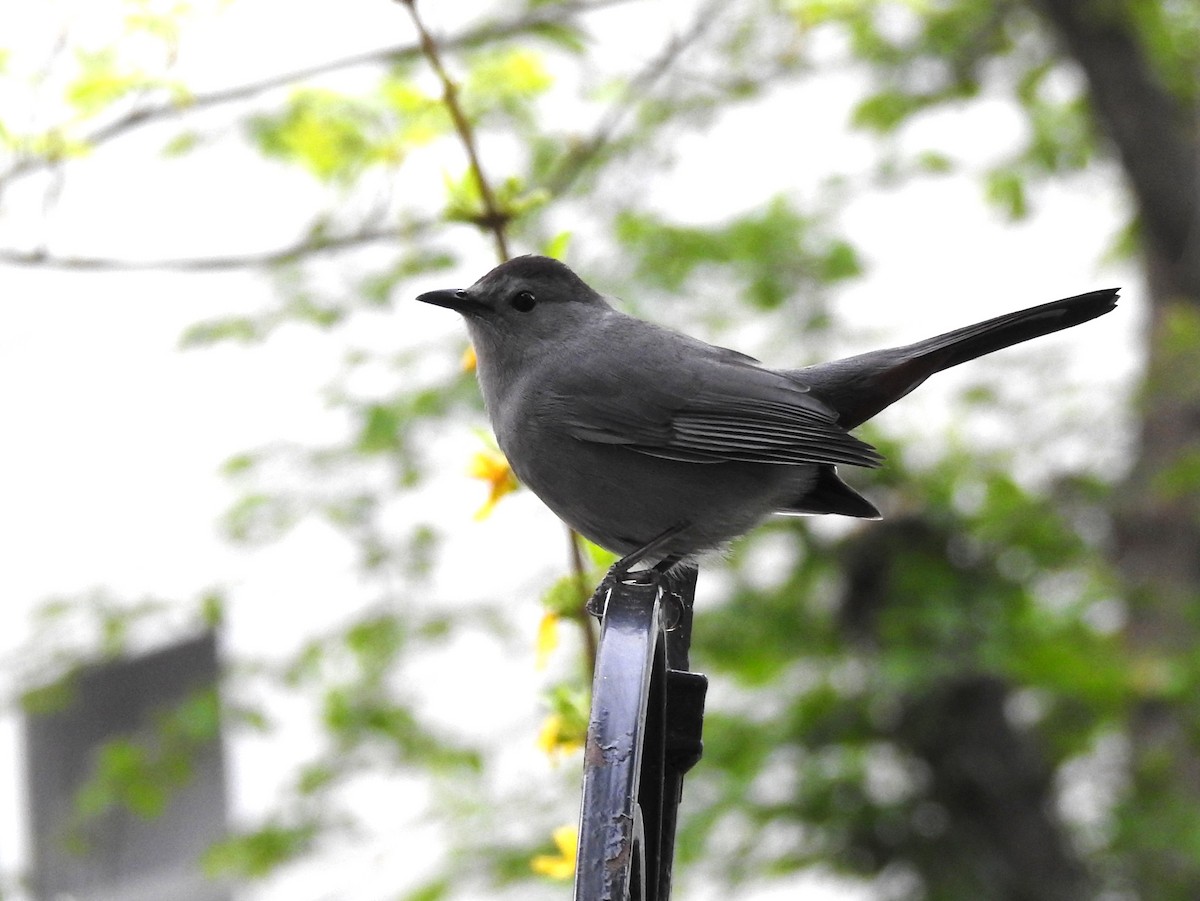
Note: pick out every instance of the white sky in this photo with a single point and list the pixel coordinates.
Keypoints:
(113, 437)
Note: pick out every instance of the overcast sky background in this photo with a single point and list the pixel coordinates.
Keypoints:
(113, 437)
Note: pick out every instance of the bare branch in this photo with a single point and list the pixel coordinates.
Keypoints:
(1153, 130)
(483, 33)
(638, 88)
(41, 259)
(494, 219)
(579, 613)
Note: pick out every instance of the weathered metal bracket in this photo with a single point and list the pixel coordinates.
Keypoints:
(644, 734)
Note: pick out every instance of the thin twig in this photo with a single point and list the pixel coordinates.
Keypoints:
(494, 219)
(638, 88)
(580, 613)
(308, 247)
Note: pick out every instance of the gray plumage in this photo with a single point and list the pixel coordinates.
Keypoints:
(635, 434)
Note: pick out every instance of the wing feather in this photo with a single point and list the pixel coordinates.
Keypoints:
(715, 429)
(697, 403)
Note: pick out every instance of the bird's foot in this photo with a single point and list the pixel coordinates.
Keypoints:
(622, 571)
(663, 575)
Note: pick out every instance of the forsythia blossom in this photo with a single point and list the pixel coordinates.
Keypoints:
(491, 466)
(562, 865)
(556, 737)
(547, 638)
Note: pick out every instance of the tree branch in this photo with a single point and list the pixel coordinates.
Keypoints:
(1153, 130)
(483, 33)
(494, 220)
(574, 163)
(308, 247)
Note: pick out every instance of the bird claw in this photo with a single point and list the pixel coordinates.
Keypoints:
(670, 600)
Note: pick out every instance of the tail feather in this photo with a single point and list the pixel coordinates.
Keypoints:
(829, 494)
(859, 387)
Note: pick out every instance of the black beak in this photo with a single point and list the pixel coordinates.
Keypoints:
(450, 298)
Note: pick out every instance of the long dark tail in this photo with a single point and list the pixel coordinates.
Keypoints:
(859, 387)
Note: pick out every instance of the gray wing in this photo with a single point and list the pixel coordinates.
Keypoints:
(681, 399)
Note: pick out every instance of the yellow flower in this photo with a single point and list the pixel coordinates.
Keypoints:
(547, 638)
(557, 737)
(491, 466)
(469, 359)
(562, 865)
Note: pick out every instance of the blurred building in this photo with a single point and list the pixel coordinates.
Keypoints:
(126, 781)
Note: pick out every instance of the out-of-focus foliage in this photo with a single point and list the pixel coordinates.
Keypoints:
(769, 256)
(836, 726)
(907, 702)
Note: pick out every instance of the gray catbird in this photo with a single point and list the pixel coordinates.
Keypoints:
(658, 446)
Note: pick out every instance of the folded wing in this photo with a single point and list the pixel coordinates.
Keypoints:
(714, 406)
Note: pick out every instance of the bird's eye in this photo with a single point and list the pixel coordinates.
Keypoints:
(523, 301)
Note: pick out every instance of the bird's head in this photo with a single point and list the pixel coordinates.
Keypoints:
(521, 304)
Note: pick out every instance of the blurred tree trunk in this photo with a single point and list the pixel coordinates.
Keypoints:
(998, 791)
(1154, 128)
(1002, 840)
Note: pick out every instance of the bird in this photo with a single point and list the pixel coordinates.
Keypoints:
(660, 447)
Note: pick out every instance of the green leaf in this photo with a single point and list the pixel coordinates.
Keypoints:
(255, 854)
(434, 890)
(772, 253)
(1178, 479)
(421, 117)
(376, 643)
(315, 777)
(103, 79)
(563, 35)
(505, 80)
(212, 609)
(304, 307)
(571, 704)
(601, 558)
(840, 262)
(1125, 244)
(934, 162)
(182, 143)
(565, 596)
(556, 247)
(259, 517)
(333, 136)
(239, 329)
(1005, 188)
(49, 698)
(239, 464)
(379, 430)
(885, 111)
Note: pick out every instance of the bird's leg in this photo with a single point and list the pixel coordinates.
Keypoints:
(674, 576)
(620, 571)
